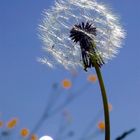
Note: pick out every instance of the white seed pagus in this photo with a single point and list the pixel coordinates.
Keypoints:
(60, 19)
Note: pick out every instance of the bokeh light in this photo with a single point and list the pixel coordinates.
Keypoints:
(46, 138)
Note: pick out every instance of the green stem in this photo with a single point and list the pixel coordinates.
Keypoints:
(105, 103)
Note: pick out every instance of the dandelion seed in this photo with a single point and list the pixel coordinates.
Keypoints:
(79, 20)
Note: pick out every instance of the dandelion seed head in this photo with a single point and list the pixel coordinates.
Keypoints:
(61, 18)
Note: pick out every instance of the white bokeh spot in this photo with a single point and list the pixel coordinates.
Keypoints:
(46, 138)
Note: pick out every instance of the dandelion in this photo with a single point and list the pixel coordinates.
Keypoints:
(81, 33)
(101, 125)
(12, 123)
(66, 83)
(24, 132)
(87, 17)
(1, 124)
(34, 137)
(92, 78)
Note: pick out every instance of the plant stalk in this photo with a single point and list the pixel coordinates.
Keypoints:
(105, 102)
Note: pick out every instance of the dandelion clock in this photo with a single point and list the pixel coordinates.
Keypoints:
(81, 33)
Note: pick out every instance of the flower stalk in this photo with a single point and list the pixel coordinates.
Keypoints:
(105, 102)
(92, 58)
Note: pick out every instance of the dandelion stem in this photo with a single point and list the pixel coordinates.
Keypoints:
(105, 102)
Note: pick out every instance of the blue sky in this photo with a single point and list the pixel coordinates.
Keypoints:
(25, 83)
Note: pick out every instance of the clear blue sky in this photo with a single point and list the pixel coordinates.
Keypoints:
(25, 83)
